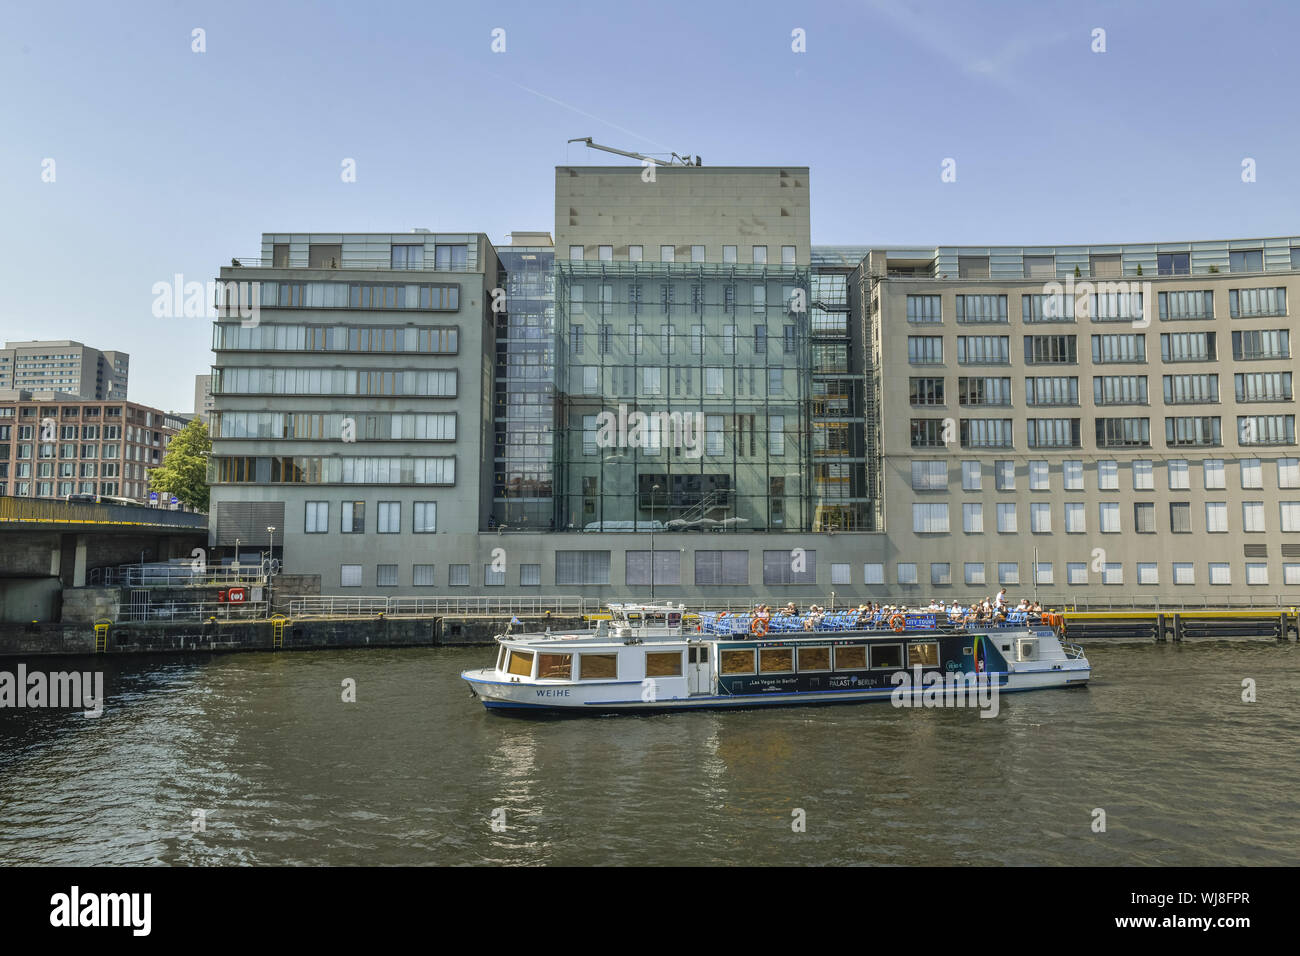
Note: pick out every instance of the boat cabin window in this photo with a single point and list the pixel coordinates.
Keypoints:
(663, 664)
(597, 667)
(555, 666)
(851, 658)
(521, 663)
(776, 660)
(887, 655)
(923, 655)
(737, 662)
(634, 618)
(698, 655)
(814, 659)
(501, 658)
(656, 620)
(674, 619)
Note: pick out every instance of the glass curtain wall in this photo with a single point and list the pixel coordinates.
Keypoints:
(685, 396)
(523, 402)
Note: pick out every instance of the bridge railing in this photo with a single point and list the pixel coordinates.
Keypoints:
(38, 511)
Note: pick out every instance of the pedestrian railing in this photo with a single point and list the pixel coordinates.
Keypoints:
(368, 606)
(184, 575)
(165, 611)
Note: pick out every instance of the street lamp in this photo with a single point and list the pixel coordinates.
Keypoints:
(270, 565)
(654, 491)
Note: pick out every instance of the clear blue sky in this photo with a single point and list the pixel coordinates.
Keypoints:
(169, 161)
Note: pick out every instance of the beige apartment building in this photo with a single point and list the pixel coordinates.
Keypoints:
(1086, 419)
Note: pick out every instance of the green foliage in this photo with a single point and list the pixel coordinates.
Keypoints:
(184, 469)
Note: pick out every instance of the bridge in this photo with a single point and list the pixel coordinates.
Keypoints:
(47, 546)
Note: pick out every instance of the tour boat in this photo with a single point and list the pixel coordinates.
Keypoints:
(659, 657)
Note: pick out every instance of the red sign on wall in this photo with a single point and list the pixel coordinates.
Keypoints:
(237, 595)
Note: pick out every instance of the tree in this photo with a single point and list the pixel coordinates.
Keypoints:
(184, 469)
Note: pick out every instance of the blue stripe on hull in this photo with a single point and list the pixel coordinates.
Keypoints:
(722, 703)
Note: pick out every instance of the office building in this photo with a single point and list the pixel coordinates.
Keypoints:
(681, 396)
(64, 366)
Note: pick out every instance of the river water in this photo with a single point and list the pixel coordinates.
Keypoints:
(417, 772)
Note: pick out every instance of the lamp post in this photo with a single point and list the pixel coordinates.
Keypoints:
(654, 491)
(270, 565)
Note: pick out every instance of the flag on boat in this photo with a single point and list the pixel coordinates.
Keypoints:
(515, 620)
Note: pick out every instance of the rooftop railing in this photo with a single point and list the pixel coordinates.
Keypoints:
(350, 265)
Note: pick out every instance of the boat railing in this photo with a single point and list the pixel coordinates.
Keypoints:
(1073, 651)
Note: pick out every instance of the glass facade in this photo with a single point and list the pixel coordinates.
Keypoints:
(683, 401)
(838, 455)
(523, 401)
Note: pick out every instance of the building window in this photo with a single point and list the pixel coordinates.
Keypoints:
(925, 309)
(1216, 517)
(386, 576)
(760, 255)
(493, 577)
(970, 476)
(1173, 264)
(667, 253)
(350, 576)
(318, 517)
(972, 517)
(873, 573)
(354, 517)
(458, 576)
(728, 253)
(787, 255)
(605, 253)
(1247, 260)
(1144, 517)
(426, 517)
(1040, 517)
(841, 574)
(930, 517)
(575, 253)
(406, 257)
(635, 253)
(1075, 521)
(906, 573)
(796, 566)
(721, 567)
(1108, 514)
(1006, 517)
(581, 568)
(530, 575)
(390, 517)
(1008, 572)
(1184, 572)
(422, 575)
(1220, 573)
(974, 572)
(1180, 517)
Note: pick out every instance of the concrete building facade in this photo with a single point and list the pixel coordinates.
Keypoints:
(868, 422)
(65, 366)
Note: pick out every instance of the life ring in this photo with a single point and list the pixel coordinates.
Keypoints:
(898, 622)
(758, 627)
